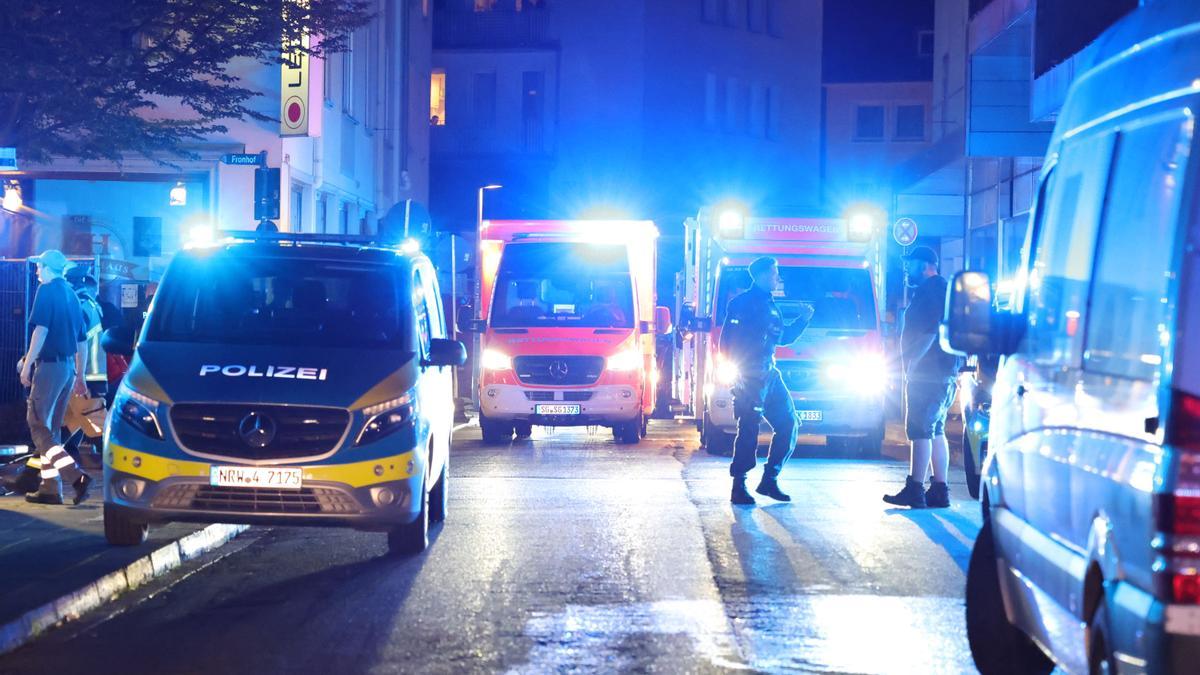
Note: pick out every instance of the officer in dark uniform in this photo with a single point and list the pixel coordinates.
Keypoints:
(753, 328)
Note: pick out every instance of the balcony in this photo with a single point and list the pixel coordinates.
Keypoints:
(457, 29)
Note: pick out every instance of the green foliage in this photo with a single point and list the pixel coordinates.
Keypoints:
(88, 78)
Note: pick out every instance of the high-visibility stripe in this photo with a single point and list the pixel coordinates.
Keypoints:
(63, 462)
(356, 474)
(49, 473)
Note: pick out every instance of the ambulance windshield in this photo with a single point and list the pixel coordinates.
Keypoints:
(563, 284)
(841, 296)
(241, 300)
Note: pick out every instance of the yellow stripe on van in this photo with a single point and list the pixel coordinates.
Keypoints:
(357, 474)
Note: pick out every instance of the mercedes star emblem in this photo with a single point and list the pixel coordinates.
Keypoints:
(257, 430)
(558, 369)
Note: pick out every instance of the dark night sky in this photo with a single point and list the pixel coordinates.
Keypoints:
(876, 40)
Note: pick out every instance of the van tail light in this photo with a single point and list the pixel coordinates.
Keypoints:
(1177, 513)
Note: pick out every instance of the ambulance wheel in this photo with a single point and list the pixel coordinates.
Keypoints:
(437, 497)
(630, 432)
(997, 646)
(715, 441)
(122, 530)
(523, 429)
(495, 432)
(412, 538)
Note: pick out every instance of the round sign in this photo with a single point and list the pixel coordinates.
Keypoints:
(294, 112)
(905, 231)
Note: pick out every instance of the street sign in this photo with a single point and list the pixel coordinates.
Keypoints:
(293, 89)
(8, 159)
(905, 231)
(243, 159)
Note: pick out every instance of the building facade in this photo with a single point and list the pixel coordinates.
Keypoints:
(366, 149)
(635, 107)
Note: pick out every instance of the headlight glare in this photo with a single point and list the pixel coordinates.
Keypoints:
(727, 371)
(494, 359)
(386, 418)
(626, 361)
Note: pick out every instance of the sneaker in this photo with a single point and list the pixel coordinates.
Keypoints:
(83, 485)
(43, 498)
(740, 494)
(769, 487)
(937, 496)
(912, 496)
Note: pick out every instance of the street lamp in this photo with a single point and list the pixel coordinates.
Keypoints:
(178, 196)
(12, 196)
(475, 294)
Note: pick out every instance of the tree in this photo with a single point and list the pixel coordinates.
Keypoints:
(86, 78)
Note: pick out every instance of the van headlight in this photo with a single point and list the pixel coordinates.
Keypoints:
(866, 374)
(137, 410)
(386, 418)
(494, 359)
(727, 371)
(626, 361)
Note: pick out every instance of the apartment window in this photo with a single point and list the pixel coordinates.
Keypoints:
(756, 15)
(730, 117)
(758, 112)
(327, 79)
(437, 98)
(712, 11)
(868, 123)
(485, 99)
(712, 98)
(296, 215)
(774, 18)
(323, 214)
(533, 107)
(910, 122)
(344, 219)
(348, 76)
(925, 43)
(734, 12)
(772, 106)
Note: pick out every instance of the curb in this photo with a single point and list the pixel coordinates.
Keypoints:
(73, 605)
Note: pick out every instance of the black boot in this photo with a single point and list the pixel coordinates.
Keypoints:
(83, 486)
(740, 495)
(913, 495)
(937, 496)
(769, 487)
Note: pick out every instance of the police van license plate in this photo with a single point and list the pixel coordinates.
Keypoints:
(556, 409)
(809, 415)
(255, 477)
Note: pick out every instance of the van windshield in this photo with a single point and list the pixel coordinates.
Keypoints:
(563, 284)
(241, 300)
(841, 297)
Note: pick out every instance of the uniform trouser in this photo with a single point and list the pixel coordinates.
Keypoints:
(756, 397)
(49, 394)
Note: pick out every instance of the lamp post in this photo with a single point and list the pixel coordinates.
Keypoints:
(475, 301)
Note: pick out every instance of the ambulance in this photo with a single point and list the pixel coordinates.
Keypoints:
(836, 372)
(567, 325)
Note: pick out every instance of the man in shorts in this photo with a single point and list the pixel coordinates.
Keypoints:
(930, 376)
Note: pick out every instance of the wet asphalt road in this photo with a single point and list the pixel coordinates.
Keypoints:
(569, 553)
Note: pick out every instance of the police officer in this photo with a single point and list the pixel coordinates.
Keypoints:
(930, 381)
(753, 328)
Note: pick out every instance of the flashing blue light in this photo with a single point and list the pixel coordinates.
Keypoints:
(978, 426)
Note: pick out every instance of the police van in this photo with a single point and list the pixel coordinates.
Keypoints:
(287, 379)
(1089, 554)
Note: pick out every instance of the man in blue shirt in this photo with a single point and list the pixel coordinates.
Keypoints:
(52, 369)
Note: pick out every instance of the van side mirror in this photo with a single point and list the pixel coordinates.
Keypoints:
(468, 325)
(968, 327)
(701, 324)
(446, 353)
(662, 321)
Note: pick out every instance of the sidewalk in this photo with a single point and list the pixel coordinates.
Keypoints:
(57, 565)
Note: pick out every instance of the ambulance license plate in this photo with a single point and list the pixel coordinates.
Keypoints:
(255, 477)
(556, 409)
(809, 415)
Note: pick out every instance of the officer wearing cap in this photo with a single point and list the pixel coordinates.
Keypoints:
(930, 382)
(51, 368)
(753, 328)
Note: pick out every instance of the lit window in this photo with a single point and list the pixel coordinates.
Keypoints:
(437, 99)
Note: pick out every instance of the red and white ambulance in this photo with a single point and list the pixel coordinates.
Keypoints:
(568, 324)
(836, 371)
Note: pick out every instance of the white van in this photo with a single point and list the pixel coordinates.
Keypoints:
(1089, 556)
